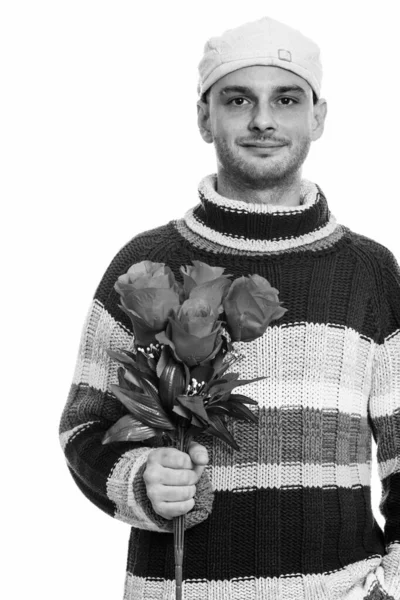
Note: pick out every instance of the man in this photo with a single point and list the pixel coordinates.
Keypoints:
(289, 516)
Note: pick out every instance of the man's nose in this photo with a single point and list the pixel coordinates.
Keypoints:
(263, 118)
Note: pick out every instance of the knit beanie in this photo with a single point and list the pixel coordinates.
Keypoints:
(262, 42)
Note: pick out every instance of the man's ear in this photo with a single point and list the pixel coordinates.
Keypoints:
(318, 120)
(204, 122)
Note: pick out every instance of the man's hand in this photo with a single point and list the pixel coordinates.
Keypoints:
(171, 476)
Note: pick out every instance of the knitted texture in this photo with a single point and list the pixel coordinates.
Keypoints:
(288, 516)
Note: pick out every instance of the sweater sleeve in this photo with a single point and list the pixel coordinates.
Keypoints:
(111, 475)
(384, 413)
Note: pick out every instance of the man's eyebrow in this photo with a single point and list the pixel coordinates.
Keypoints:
(282, 89)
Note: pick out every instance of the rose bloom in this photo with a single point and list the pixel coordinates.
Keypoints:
(250, 306)
(208, 283)
(195, 331)
(149, 294)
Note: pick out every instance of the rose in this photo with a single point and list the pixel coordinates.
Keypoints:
(149, 294)
(144, 273)
(208, 283)
(250, 306)
(193, 332)
(199, 273)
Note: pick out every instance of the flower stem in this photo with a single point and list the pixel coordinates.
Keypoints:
(179, 528)
(179, 531)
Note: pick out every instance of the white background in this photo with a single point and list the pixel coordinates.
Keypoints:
(99, 141)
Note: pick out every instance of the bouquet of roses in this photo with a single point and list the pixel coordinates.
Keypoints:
(175, 383)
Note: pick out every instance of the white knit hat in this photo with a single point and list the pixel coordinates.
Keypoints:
(262, 42)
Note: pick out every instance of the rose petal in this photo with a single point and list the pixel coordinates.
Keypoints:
(263, 284)
(188, 283)
(150, 281)
(202, 272)
(190, 348)
(145, 267)
(201, 327)
(213, 292)
(152, 305)
(194, 307)
(197, 317)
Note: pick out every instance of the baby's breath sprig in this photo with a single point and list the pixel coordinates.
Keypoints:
(232, 357)
(152, 351)
(196, 387)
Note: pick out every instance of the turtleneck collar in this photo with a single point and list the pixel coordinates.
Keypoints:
(260, 227)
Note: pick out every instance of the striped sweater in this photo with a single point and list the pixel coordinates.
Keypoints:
(288, 517)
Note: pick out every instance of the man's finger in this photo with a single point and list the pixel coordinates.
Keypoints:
(171, 458)
(177, 477)
(178, 493)
(198, 469)
(169, 510)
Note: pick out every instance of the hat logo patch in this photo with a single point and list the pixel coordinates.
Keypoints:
(285, 55)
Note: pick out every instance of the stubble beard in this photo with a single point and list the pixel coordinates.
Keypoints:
(261, 172)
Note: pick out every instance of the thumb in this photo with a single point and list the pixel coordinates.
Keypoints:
(199, 456)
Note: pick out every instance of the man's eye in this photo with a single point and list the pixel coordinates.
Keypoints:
(291, 99)
(235, 99)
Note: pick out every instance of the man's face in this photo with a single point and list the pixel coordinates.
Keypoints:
(263, 112)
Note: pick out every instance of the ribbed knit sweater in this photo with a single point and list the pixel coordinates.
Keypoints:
(289, 516)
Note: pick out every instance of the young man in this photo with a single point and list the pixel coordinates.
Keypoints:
(289, 516)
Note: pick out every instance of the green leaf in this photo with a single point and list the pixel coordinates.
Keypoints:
(143, 408)
(220, 380)
(182, 412)
(143, 376)
(130, 376)
(141, 364)
(222, 369)
(241, 411)
(128, 429)
(218, 397)
(216, 382)
(224, 379)
(218, 429)
(195, 404)
(197, 423)
(129, 397)
(187, 375)
(121, 357)
(222, 387)
(128, 360)
(246, 381)
(122, 381)
(230, 385)
(218, 409)
(171, 383)
(152, 391)
(163, 360)
(243, 399)
(231, 376)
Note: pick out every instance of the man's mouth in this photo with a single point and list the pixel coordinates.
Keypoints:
(264, 145)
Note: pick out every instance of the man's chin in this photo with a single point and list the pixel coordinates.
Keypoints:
(260, 179)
